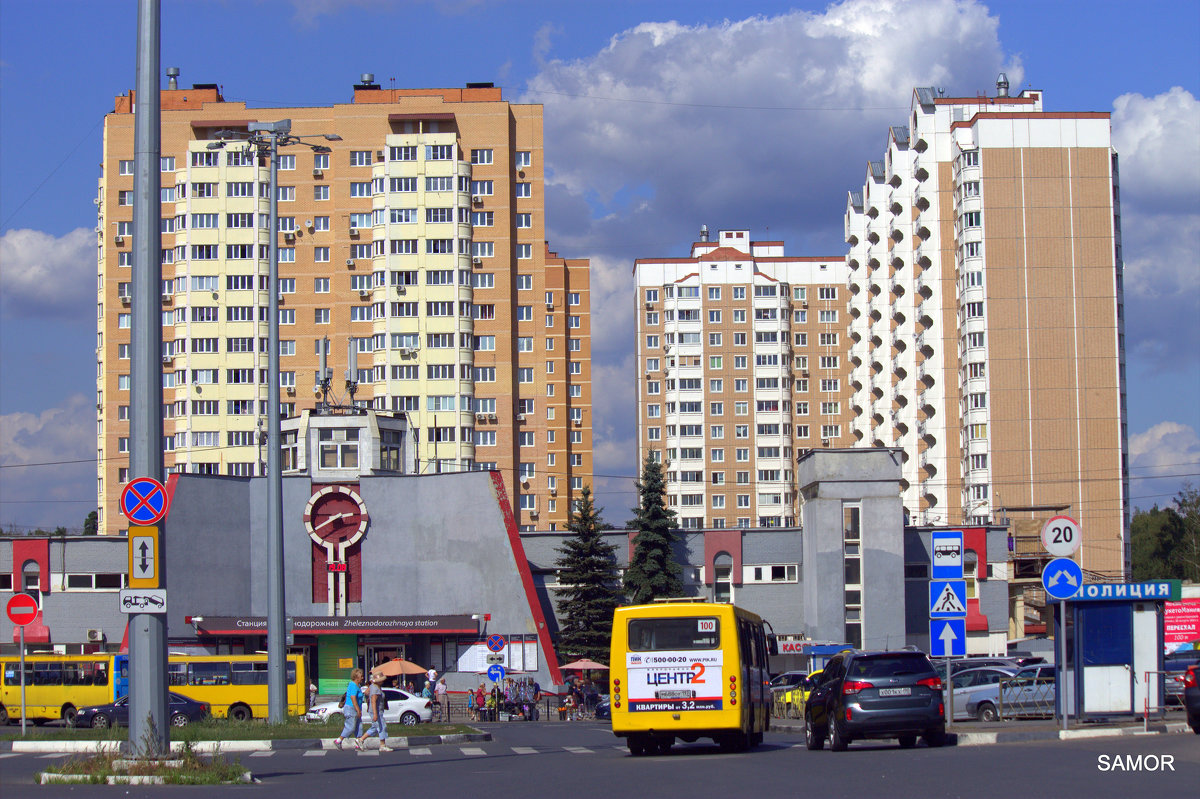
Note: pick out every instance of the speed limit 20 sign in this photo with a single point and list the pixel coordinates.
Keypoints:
(1061, 536)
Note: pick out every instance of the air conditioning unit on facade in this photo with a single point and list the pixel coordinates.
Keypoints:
(317, 172)
(168, 297)
(119, 239)
(554, 492)
(349, 262)
(477, 261)
(479, 417)
(291, 390)
(125, 299)
(476, 200)
(289, 235)
(364, 293)
(533, 514)
(401, 290)
(166, 359)
(353, 232)
(379, 155)
(649, 306)
(579, 423)
(549, 306)
(95, 636)
(520, 417)
(491, 417)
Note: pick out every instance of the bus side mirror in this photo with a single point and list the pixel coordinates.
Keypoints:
(772, 644)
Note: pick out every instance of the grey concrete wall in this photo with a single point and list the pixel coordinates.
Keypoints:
(827, 478)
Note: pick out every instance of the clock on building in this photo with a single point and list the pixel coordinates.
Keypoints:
(336, 515)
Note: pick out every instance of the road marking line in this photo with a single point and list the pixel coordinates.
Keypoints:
(473, 751)
(368, 753)
(524, 750)
(578, 750)
(316, 753)
(8, 754)
(52, 756)
(267, 753)
(420, 750)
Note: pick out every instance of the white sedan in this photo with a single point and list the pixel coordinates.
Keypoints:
(403, 707)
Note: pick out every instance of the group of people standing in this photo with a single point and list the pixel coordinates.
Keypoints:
(515, 697)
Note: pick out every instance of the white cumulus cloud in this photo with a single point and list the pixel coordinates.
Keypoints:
(50, 469)
(44, 275)
(764, 122)
(1162, 460)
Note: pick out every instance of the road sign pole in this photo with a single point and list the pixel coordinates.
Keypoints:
(149, 727)
(23, 714)
(1062, 658)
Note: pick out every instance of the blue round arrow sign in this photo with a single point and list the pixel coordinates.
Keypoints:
(495, 673)
(1062, 578)
(144, 500)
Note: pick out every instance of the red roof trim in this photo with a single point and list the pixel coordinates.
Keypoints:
(221, 123)
(535, 607)
(440, 116)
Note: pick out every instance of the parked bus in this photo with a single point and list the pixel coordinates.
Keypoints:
(689, 669)
(235, 686)
(55, 686)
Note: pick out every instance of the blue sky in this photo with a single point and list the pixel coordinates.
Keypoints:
(660, 117)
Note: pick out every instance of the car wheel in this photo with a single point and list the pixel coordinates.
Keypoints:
(814, 740)
(987, 712)
(240, 713)
(837, 741)
(908, 741)
(409, 719)
(101, 721)
(935, 738)
(3, 715)
(68, 715)
(179, 720)
(663, 745)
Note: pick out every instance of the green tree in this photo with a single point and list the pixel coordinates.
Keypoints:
(1185, 556)
(91, 523)
(653, 571)
(588, 567)
(1154, 536)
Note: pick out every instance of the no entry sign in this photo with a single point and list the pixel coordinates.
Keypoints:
(22, 609)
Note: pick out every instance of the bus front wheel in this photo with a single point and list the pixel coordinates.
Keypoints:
(3, 715)
(240, 713)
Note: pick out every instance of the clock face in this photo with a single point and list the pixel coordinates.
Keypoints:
(335, 514)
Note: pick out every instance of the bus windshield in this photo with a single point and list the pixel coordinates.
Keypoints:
(666, 635)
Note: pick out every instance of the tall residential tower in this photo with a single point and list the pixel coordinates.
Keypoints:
(419, 242)
(986, 331)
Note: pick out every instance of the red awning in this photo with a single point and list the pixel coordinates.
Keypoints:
(36, 632)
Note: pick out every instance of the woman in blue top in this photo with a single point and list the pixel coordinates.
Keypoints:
(352, 710)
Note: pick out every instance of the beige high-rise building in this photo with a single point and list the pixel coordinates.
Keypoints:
(741, 365)
(419, 241)
(985, 305)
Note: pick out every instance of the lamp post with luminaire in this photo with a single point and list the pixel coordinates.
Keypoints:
(264, 139)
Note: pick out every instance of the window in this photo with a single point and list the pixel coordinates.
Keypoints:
(524, 220)
(125, 167)
(827, 293)
(974, 310)
(482, 188)
(360, 158)
(972, 219)
(482, 219)
(360, 188)
(524, 190)
(827, 317)
(439, 152)
(481, 156)
(524, 159)
(321, 316)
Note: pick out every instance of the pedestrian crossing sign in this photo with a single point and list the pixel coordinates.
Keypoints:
(947, 599)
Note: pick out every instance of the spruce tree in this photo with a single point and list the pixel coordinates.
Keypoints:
(653, 572)
(588, 566)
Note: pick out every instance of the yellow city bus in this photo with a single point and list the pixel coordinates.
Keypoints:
(689, 669)
(235, 685)
(55, 685)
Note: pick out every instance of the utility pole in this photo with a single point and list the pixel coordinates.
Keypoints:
(149, 731)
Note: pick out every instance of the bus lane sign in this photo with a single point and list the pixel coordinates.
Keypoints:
(674, 681)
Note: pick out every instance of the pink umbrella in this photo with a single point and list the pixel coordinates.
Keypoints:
(583, 664)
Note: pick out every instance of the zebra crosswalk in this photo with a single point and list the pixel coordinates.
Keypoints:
(398, 752)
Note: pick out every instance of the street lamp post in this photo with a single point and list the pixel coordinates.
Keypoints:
(265, 138)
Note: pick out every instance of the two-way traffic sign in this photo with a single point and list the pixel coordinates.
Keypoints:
(1062, 578)
(144, 561)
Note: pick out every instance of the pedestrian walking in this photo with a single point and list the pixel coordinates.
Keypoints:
(480, 703)
(376, 705)
(471, 706)
(439, 700)
(352, 704)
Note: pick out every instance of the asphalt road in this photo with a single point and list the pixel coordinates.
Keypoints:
(584, 760)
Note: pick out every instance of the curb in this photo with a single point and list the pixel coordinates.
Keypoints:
(1027, 736)
(225, 747)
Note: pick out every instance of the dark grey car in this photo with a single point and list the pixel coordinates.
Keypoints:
(876, 695)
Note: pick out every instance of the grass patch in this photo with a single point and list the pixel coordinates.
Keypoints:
(185, 768)
(227, 730)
